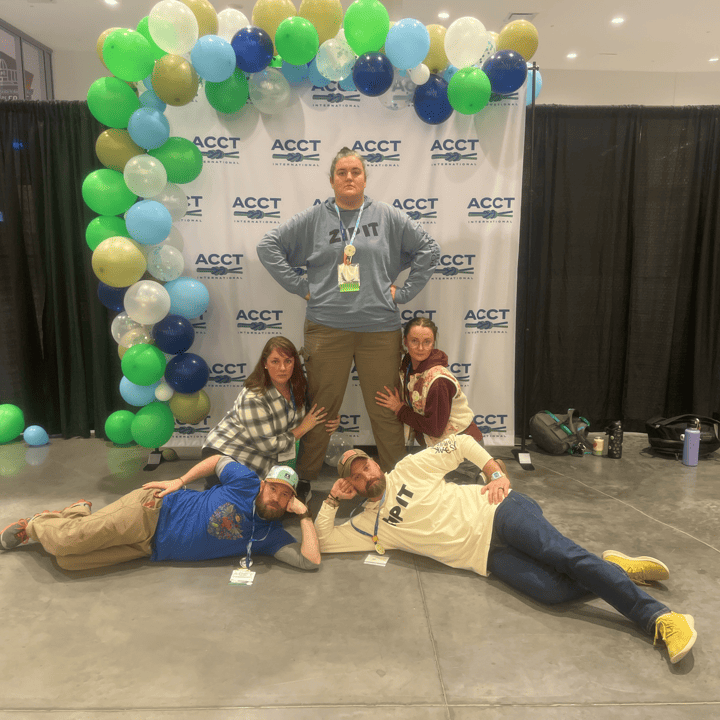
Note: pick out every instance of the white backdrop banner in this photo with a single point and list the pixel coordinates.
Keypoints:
(461, 180)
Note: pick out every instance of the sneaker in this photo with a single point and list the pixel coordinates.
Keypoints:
(78, 505)
(304, 493)
(677, 631)
(641, 570)
(14, 535)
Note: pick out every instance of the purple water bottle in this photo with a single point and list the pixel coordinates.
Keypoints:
(691, 443)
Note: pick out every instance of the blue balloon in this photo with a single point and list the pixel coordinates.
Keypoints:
(149, 128)
(150, 100)
(316, 77)
(347, 84)
(529, 89)
(137, 395)
(295, 74)
(174, 334)
(507, 71)
(149, 222)
(187, 373)
(407, 44)
(450, 70)
(431, 101)
(112, 297)
(35, 435)
(373, 74)
(253, 49)
(189, 298)
(147, 82)
(213, 58)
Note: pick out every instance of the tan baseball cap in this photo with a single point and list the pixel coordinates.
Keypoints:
(346, 461)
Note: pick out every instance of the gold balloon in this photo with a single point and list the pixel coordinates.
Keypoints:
(325, 15)
(117, 262)
(190, 409)
(205, 15)
(121, 351)
(115, 147)
(174, 80)
(436, 59)
(268, 14)
(520, 36)
(101, 42)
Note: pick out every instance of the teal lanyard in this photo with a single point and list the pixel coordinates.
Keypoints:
(378, 547)
(342, 227)
(248, 559)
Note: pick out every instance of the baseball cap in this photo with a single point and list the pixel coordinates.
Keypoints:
(283, 474)
(346, 461)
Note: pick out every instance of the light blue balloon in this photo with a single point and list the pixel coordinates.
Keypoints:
(316, 78)
(407, 44)
(137, 395)
(150, 100)
(147, 82)
(295, 74)
(528, 85)
(149, 222)
(189, 298)
(213, 58)
(450, 70)
(348, 84)
(35, 435)
(148, 127)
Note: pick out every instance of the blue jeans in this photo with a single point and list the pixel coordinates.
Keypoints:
(532, 556)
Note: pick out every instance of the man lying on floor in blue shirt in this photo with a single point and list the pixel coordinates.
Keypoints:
(240, 516)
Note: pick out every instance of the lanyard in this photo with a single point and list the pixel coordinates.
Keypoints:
(378, 547)
(247, 558)
(342, 227)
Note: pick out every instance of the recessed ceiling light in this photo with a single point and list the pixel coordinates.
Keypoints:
(571, 56)
(443, 15)
(111, 2)
(618, 21)
(713, 59)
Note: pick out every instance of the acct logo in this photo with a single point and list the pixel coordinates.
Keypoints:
(302, 153)
(379, 152)
(461, 371)
(332, 95)
(220, 265)
(503, 100)
(407, 315)
(349, 424)
(253, 209)
(421, 209)
(492, 424)
(187, 432)
(491, 210)
(487, 322)
(200, 325)
(259, 322)
(459, 266)
(194, 209)
(458, 151)
(219, 149)
(228, 374)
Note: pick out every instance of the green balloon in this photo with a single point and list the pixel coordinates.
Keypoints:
(117, 427)
(142, 28)
(112, 101)
(105, 192)
(229, 95)
(143, 364)
(104, 227)
(469, 90)
(296, 39)
(12, 422)
(366, 26)
(128, 55)
(182, 160)
(276, 62)
(153, 425)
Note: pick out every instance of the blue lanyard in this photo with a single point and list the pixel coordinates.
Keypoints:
(248, 560)
(342, 227)
(378, 547)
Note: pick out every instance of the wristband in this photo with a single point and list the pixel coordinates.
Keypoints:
(496, 475)
(306, 514)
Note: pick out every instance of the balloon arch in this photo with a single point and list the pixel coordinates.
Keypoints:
(183, 44)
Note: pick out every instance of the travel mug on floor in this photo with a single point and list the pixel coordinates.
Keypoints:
(615, 439)
(691, 444)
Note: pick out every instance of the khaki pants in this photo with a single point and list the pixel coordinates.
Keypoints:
(329, 354)
(117, 533)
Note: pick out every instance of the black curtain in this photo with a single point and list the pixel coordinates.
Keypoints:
(58, 362)
(619, 274)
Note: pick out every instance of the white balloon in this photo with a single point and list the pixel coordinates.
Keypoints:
(229, 22)
(147, 302)
(335, 59)
(420, 74)
(173, 26)
(173, 197)
(163, 391)
(165, 263)
(400, 94)
(121, 324)
(465, 42)
(145, 175)
(269, 91)
(135, 336)
(175, 239)
(337, 446)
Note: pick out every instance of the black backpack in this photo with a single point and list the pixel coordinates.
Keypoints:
(665, 434)
(557, 434)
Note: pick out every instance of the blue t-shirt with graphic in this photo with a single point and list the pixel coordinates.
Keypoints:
(218, 522)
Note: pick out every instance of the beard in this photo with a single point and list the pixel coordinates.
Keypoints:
(266, 512)
(375, 489)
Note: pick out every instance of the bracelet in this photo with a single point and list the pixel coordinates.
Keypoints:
(336, 499)
(306, 514)
(332, 501)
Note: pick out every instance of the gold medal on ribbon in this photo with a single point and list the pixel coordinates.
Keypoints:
(350, 250)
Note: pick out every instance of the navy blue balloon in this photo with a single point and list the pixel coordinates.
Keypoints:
(174, 334)
(111, 297)
(373, 74)
(187, 373)
(507, 71)
(253, 49)
(431, 101)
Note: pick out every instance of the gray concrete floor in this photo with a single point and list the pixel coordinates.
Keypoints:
(413, 640)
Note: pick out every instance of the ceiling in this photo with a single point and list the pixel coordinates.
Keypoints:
(657, 35)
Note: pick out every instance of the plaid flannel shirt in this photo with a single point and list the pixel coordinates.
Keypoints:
(257, 429)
